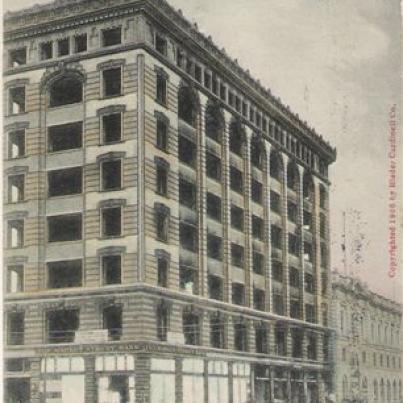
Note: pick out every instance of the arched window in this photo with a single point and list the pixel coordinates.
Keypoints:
(188, 105)
(308, 189)
(236, 137)
(214, 121)
(376, 393)
(292, 176)
(257, 152)
(345, 387)
(276, 166)
(66, 90)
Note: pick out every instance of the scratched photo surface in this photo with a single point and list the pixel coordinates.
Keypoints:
(335, 66)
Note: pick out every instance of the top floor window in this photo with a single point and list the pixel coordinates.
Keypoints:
(112, 36)
(17, 57)
(187, 105)
(214, 122)
(63, 47)
(80, 43)
(46, 50)
(65, 91)
(160, 44)
(236, 137)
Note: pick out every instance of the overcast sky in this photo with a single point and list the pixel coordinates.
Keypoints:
(336, 63)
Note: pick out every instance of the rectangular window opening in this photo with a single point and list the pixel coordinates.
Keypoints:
(65, 137)
(63, 182)
(65, 274)
(65, 228)
(112, 269)
(112, 36)
(111, 222)
(112, 82)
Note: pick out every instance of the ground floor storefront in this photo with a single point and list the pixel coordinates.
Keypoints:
(159, 374)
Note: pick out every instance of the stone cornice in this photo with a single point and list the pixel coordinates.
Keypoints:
(69, 13)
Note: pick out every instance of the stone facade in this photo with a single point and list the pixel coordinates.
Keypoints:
(368, 350)
(167, 217)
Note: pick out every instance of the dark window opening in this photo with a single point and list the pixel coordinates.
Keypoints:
(213, 166)
(280, 342)
(294, 277)
(257, 227)
(236, 180)
(311, 348)
(258, 299)
(119, 387)
(187, 105)
(237, 255)
(236, 138)
(258, 263)
(112, 269)
(214, 206)
(111, 222)
(188, 279)
(16, 144)
(296, 343)
(16, 100)
(112, 128)
(292, 211)
(310, 314)
(191, 329)
(240, 337)
(277, 271)
(65, 137)
(16, 187)
(275, 202)
(309, 283)
(275, 167)
(238, 294)
(323, 255)
(187, 193)
(63, 47)
(215, 287)
(214, 247)
(112, 321)
(62, 325)
(187, 151)
(112, 81)
(307, 217)
(66, 91)
(237, 217)
(111, 175)
(295, 309)
(17, 365)
(214, 122)
(80, 43)
(217, 335)
(162, 272)
(18, 57)
(112, 36)
(65, 182)
(198, 73)
(257, 191)
(162, 322)
(292, 178)
(223, 92)
(276, 237)
(46, 50)
(161, 89)
(308, 253)
(322, 197)
(256, 154)
(15, 278)
(261, 339)
(162, 135)
(15, 334)
(162, 224)
(322, 225)
(188, 236)
(162, 180)
(293, 244)
(18, 390)
(160, 44)
(15, 233)
(207, 80)
(65, 274)
(64, 228)
(278, 304)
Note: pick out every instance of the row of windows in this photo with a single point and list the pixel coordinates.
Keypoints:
(378, 360)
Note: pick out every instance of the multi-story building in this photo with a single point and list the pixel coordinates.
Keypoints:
(166, 216)
(368, 350)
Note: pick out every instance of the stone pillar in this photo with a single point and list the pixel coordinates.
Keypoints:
(300, 223)
(316, 254)
(35, 365)
(143, 369)
(286, 282)
(178, 381)
(91, 389)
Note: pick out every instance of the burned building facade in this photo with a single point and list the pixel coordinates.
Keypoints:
(166, 217)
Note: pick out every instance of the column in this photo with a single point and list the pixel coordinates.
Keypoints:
(285, 239)
(316, 252)
(91, 391)
(35, 368)
(301, 236)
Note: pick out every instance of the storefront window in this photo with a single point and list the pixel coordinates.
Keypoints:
(241, 380)
(217, 382)
(162, 380)
(193, 380)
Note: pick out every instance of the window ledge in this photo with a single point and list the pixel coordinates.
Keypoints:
(65, 196)
(11, 115)
(111, 143)
(112, 96)
(164, 104)
(105, 237)
(53, 108)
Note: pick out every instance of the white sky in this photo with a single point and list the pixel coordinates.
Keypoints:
(337, 64)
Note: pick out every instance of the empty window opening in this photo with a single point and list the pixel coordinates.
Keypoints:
(62, 325)
(15, 278)
(258, 262)
(65, 91)
(188, 236)
(112, 36)
(187, 193)
(207, 80)
(116, 388)
(46, 50)
(292, 211)
(16, 100)
(187, 151)
(215, 287)
(63, 47)
(162, 180)
(257, 191)
(16, 185)
(191, 329)
(296, 343)
(292, 177)
(111, 175)
(214, 206)
(223, 92)
(64, 228)
(162, 272)
(162, 223)
(256, 154)
(238, 294)
(275, 202)
(161, 44)
(276, 168)
(293, 244)
(261, 334)
(112, 269)
(240, 337)
(15, 334)
(63, 182)
(16, 233)
(277, 271)
(237, 217)
(188, 279)
(294, 277)
(259, 299)
(309, 283)
(257, 227)
(236, 138)
(280, 342)
(307, 217)
(112, 128)
(198, 73)
(214, 122)
(214, 247)
(161, 89)
(65, 137)
(18, 390)
(237, 255)
(310, 314)
(308, 252)
(217, 333)
(278, 303)
(111, 222)
(311, 348)
(162, 134)
(213, 166)
(162, 322)
(236, 180)
(16, 144)
(18, 57)
(187, 105)
(112, 321)
(17, 365)
(80, 43)
(112, 81)
(295, 309)
(276, 237)
(322, 225)
(65, 274)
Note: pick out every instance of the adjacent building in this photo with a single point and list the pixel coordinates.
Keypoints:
(368, 350)
(166, 217)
